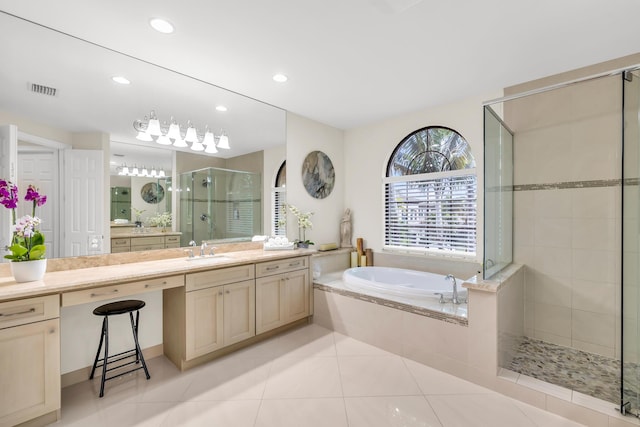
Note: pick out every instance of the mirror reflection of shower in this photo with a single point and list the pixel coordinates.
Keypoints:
(220, 204)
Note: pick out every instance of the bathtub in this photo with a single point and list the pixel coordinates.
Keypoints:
(400, 282)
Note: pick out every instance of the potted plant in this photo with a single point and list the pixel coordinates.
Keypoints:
(27, 242)
(304, 222)
(138, 213)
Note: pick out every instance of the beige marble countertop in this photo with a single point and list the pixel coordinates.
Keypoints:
(58, 282)
(494, 284)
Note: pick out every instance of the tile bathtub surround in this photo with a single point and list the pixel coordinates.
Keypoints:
(307, 377)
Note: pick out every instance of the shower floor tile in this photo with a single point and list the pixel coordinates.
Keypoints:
(587, 373)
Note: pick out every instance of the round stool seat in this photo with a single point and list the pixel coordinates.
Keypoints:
(119, 307)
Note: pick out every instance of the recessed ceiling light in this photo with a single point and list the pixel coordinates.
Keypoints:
(280, 78)
(161, 25)
(120, 79)
(221, 108)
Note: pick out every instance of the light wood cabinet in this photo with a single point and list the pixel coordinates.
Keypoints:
(219, 316)
(282, 298)
(29, 359)
(144, 243)
(221, 307)
(215, 309)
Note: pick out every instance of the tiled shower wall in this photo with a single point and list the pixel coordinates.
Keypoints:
(567, 210)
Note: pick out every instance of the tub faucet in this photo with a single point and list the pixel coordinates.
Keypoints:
(454, 299)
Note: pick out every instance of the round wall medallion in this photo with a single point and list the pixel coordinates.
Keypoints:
(152, 193)
(318, 175)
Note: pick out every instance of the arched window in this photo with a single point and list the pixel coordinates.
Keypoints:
(431, 193)
(279, 200)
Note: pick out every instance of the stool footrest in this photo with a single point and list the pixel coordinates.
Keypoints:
(117, 357)
(124, 373)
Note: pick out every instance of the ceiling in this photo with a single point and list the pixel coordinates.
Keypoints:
(354, 62)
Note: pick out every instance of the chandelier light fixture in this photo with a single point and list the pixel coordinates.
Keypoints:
(150, 129)
(125, 170)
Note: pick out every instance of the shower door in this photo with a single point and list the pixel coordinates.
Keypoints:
(498, 194)
(630, 400)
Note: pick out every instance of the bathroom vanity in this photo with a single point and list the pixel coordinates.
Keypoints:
(211, 306)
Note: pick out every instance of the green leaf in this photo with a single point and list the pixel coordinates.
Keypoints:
(18, 250)
(37, 239)
(37, 252)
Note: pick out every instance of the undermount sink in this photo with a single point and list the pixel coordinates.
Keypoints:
(209, 258)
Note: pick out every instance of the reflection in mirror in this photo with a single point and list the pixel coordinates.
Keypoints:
(220, 205)
(58, 91)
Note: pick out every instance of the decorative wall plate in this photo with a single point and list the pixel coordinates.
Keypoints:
(318, 175)
(152, 193)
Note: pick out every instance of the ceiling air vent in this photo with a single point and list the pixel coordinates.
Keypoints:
(43, 90)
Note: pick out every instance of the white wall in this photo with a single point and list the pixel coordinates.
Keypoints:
(304, 136)
(367, 151)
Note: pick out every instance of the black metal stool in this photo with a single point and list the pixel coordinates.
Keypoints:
(112, 309)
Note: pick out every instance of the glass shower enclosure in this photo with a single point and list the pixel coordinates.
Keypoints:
(219, 205)
(630, 384)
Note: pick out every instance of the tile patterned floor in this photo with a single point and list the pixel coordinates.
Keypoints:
(307, 377)
(587, 373)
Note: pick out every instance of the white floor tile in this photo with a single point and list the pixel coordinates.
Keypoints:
(325, 412)
(229, 379)
(232, 413)
(478, 410)
(395, 411)
(300, 378)
(309, 377)
(310, 341)
(376, 376)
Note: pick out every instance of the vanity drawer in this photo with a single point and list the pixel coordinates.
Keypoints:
(281, 266)
(171, 240)
(146, 247)
(220, 276)
(20, 312)
(147, 241)
(121, 242)
(120, 290)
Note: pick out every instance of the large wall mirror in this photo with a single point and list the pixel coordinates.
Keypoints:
(59, 93)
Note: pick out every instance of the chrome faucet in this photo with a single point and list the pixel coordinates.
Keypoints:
(202, 248)
(190, 251)
(454, 299)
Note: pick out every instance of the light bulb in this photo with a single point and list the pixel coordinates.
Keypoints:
(210, 143)
(144, 136)
(153, 128)
(163, 140)
(197, 146)
(153, 173)
(191, 135)
(135, 171)
(174, 131)
(144, 171)
(223, 142)
(180, 143)
(161, 173)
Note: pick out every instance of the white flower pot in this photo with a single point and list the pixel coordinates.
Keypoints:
(28, 271)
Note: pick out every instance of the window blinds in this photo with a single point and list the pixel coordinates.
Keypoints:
(432, 213)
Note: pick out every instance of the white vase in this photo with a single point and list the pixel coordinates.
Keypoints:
(28, 271)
